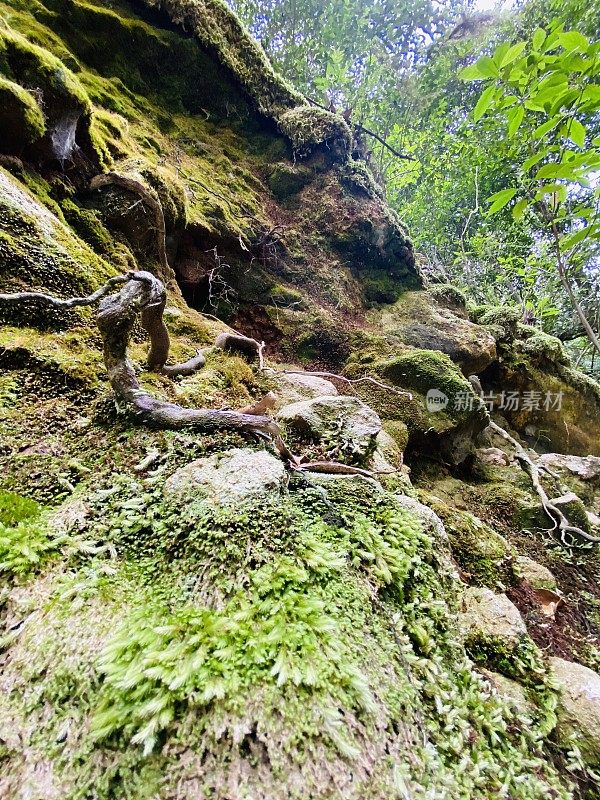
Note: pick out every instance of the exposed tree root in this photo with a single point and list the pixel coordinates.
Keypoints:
(148, 199)
(560, 523)
(144, 294)
(349, 381)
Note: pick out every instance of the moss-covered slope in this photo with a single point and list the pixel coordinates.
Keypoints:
(168, 637)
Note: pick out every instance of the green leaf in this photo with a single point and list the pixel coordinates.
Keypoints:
(519, 208)
(558, 189)
(577, 132)
(512, 54)
(564, 171)
(484, 103)
(515, 118)
(574, 238)
(472, 73)
(542, 130)
(500, 199)
(533, 160)
(487, 67)
(538, 38)
(573, 40)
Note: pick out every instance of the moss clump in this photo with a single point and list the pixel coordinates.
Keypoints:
(540, 346)
(220, 31)
(25, 546)
(21, 118)
(15, 508)
(423, 370)
(357, 176)
(308, 127)
(503, 320)
(65, 102)
(449, 296)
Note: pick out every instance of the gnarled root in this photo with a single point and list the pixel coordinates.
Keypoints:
(560, 523)
(116, 317)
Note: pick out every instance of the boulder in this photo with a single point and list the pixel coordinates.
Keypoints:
(295, 387)
(345, 422)
(489, 615)
(537, 575)
(227, 478)
(420, 320)
(586, 468)
(579, 708)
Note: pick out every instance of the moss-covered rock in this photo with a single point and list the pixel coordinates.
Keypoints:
(420, 319)
(21, 119)
(438, 405)
(308, 128)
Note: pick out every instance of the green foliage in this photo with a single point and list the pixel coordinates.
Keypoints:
(545, 90)
(14, 508)
(24, 547)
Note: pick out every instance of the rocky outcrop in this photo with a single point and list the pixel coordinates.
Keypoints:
(579, 708)
(344, 423)
(227, 479)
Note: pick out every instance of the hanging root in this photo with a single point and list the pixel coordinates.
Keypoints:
(560, 523)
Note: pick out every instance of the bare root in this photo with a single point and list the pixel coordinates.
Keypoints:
(560, 523)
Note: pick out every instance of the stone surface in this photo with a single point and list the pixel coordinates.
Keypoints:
(293, 388)
(586, 468)
(493, 456)
(347, 421)
(387, 456)
(227, 478)
(490, 615)
(536, 575)
(510, 690)
(579, 707)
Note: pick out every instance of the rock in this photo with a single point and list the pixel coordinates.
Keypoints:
(586, 468)
(579, 708)
(343, 421)
(420, 320)
(492, 456)
(227, 478)
(574, 510)
(294, 387)
(510, 690)
(537, 575)
(490, 615)
(387, 456)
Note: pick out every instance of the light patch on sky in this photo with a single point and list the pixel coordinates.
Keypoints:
(492, 5)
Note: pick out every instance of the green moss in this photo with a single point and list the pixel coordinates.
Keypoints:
(220, 31)
(447, 295)
(21, 118)
(24, 547)
(287, 180)
(503, 319)
(522, 661)
(357, 176)
(426, 369)
(14, 508)
(483, 555)
(541, 346)
(309, 127)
